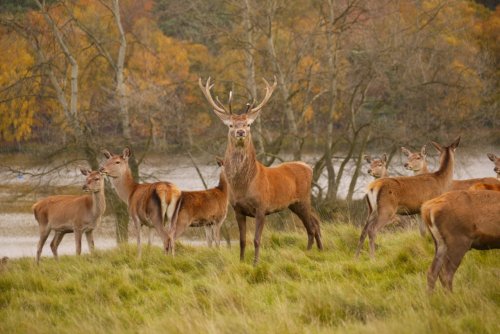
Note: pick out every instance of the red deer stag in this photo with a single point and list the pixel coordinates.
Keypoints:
(71, 213)
(201, 208)
(459, 221)
(417, 162)
(405, 194)
(378, 167)
(256, 190)
(496, 161)
(149, 204)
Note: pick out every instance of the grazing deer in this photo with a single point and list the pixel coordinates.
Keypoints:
(71, 213)
(378, 167)
(416, 162)
(256, 190)
(149, 204)
(201, 208)
(405, 194)
(459, 221)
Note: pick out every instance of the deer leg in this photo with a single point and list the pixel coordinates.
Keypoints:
(382, 218)
(259, 226)
(455, 254)
(436, 265)
(90, 240)
(55, 243)
(137, 225)
(209, 235)
(317, 230)
(44, 234)
(150, 236)
(242, 227)
(421, 226)
(369, 220)
(78, 241)
(304, 216)
(216, 229)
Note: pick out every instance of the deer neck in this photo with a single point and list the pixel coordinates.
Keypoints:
(240, 164)
(124, 185)
(222, 186)
(445, 171)
(98, 202)
(384, 173)
(424, 168)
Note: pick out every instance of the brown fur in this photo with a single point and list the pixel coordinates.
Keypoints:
(485, 186)
(459, 221)
(200, 208)
(256, 190)
(466, 184)
(150, 204)
(71, 213)
(404, 195)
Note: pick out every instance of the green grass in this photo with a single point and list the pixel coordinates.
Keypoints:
(290, 291)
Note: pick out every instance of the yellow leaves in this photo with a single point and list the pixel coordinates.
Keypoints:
(309, 114)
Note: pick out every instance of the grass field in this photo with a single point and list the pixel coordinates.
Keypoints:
(290, 291)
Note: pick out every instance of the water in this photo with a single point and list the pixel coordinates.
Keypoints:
(19, 231)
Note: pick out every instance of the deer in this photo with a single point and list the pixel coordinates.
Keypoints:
(150, 204)
(206, 208)
(496, 161)
(254, 189)
(460, 221)
(416, 162)
(378, 167)
(71, 213)
(405, 194)
(485, 186)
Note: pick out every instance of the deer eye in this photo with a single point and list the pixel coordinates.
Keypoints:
(230, 125)
(118, 162)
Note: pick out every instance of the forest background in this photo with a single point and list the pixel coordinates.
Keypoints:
(353, 76)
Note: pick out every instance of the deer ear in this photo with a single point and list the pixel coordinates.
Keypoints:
(454, 145)
(422, 151)
(405, 151)
(85, 171)
(126, 153)
(437, 146)
(384, 158)
(492, 157)
(106, 153)
(367, 158)
(220, 161)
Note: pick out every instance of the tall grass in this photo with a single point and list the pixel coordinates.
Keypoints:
(290, 291)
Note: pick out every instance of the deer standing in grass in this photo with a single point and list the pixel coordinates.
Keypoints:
(201, 208)
(256, 190)
(71, 213)
(416, 162)
(405, 194)
(459, 221)
(378, 167)
(150, 204)
(496, 161)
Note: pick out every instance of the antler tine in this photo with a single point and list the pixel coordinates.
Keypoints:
(206, 91)
(249, 106)
(269, 92)
(229, 100)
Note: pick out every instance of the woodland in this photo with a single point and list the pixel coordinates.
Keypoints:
(352, 76)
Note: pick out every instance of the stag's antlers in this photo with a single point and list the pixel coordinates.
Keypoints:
(223, 112)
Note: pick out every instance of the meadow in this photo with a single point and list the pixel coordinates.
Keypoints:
(290, 291)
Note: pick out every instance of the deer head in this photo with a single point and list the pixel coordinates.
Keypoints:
(239, 125)
(416, 160)
(116, 165)
(496, 161)
(378, 167)
(94, 181)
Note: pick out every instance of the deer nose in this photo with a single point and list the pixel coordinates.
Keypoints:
(240, 133)
(369, 171)
(85, 187)
(101, 170)
(406, 165)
